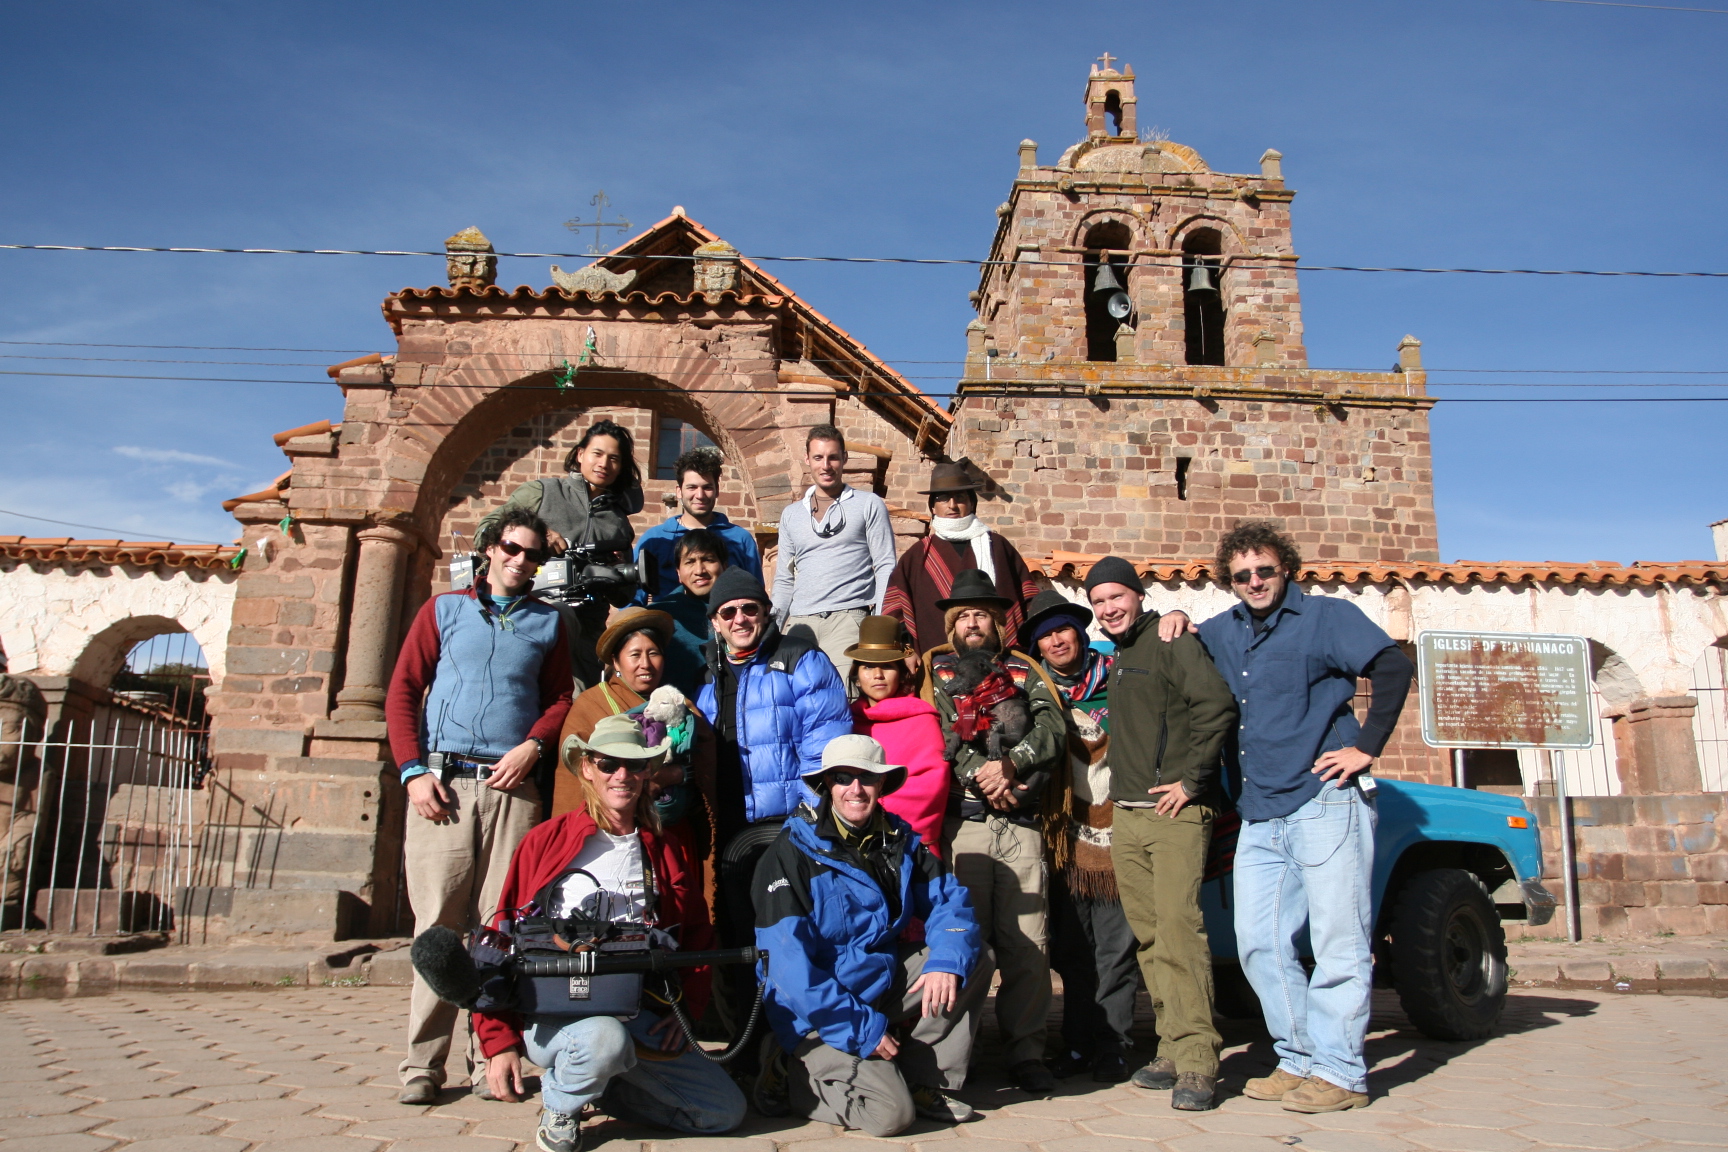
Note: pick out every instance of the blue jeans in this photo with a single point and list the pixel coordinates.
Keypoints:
(1308, 878)
(587, 1059)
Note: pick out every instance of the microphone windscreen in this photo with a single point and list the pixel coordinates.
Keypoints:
(442, 961)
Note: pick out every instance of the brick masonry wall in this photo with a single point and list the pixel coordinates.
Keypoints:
(1101, 475)
(1647, 865)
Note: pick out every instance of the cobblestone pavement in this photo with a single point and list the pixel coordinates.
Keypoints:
(313, 1070)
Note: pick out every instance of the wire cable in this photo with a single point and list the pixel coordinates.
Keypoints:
(1242, 263)
(103, 528)
(1651, 7)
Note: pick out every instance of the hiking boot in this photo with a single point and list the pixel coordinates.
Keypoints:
(1194, 1092)
(1069, 1063)
(1032, 1076)
(1109, 1068)
(1317, 1094)
(559, 1132)
(1273, 1087)
(1160, 1075)
(772, 1092)
(935, 1104)
(418, 1090)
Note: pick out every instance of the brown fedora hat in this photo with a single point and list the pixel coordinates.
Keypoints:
(881, 640)
(946, 478)
(628, 621)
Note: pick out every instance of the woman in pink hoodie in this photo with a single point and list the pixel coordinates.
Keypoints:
(890, 712)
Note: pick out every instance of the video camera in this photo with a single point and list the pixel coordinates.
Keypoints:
(586, 573)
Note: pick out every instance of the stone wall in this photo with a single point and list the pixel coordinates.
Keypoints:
(1163, 479)
(1647, 865)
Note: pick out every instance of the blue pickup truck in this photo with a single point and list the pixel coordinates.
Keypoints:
(1449, 865)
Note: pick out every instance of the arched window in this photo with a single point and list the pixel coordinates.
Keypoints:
(1113, 109)
(1203, 296)
(1108, 305)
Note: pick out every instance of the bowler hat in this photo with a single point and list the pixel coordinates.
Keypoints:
(881, 640)
(974, 586)
(861, 754)
(628, 621)
(945, 478)
(1049, 607)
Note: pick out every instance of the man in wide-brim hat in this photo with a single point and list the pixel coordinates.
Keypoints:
(958, 542)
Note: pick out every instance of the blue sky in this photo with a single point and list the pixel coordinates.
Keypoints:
(1497, 133)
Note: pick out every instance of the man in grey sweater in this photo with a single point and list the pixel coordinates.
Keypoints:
(836, 552)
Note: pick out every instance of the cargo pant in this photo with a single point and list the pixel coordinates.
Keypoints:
(1160, 861)
(875, 1095)
(1001, 866)
(455, 874)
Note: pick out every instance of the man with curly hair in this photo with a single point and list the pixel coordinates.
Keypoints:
(1305, 858)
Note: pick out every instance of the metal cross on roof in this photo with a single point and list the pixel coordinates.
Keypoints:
(1106, 58)
(600, 202)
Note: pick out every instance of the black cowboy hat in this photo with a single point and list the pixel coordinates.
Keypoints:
(973, 586)
(1047, 604)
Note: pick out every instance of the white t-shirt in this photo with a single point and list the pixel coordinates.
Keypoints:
(615, 862)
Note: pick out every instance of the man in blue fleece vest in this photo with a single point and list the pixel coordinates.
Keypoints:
(874, 1023)
(482, 684)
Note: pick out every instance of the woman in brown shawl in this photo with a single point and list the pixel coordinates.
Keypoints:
(632, 652)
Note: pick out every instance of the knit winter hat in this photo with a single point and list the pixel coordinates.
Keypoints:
(1110, 570)
(736, 583)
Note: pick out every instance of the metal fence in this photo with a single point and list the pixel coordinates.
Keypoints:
(1710, 721)
(101, 824)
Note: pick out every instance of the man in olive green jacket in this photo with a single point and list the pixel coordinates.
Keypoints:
(1169, 713)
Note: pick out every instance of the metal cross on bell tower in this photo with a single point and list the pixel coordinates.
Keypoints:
(600, 202)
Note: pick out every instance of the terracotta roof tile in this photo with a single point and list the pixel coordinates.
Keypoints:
(142, 553)
(1597, 573)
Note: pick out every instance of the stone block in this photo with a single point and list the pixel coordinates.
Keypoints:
(1585, 970)
(1685, 968)
(250, 661)
(225, 740)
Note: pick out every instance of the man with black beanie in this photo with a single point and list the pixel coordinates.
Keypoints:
(1170, 711)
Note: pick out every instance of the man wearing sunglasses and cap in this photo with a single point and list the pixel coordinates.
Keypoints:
(873, 1028)
(482, 684)
(775, 702)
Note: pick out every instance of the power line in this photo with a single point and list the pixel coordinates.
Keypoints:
(1652, 7)
(100, 527)
(1244, 263)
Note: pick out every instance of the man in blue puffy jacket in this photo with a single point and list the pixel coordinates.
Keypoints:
(874, 1019)
(774, 701)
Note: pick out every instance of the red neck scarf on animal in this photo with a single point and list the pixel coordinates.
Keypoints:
(973, 709)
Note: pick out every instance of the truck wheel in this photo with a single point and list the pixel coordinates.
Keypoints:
(1449, 955)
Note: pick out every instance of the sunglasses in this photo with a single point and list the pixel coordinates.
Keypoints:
(511, 548)
(607, 765)
(1265, 572)
(844, 778)
(749, 609)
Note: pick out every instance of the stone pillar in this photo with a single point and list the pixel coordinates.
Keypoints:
(1658, 752)
(372, 624)
(1028, 154)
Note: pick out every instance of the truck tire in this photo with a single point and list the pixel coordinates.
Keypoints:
(1449, 955)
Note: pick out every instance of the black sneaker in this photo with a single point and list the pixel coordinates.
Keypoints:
(1069, 1063)
(559, 1132)
(772, 1092)
(935, 1104)
(1033, 1077)
(1109, 1068)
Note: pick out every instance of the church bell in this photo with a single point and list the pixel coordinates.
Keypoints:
(1200, 281)
(1106, 280)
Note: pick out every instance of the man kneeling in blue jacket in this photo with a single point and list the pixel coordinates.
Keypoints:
(876, 1016)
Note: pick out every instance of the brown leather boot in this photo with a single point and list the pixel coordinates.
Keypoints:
(1160, 1075)
(1317, 1094)
(1273, 1087)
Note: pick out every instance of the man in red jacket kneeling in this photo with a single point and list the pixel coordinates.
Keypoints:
(607, 861)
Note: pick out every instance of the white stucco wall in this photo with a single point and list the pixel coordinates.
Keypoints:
(50, 614)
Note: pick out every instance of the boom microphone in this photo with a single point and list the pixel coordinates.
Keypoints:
(652, 960)
(442, 961)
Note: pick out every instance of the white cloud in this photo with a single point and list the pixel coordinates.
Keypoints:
(169, 456)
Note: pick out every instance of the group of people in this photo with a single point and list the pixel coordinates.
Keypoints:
(900, 777)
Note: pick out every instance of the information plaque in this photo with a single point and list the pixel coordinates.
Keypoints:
(1504, 690)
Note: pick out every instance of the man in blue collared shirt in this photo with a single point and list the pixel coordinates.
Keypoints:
(698, 472)
(1305, 858)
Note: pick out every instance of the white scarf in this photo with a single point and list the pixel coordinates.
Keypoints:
(967, 528)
